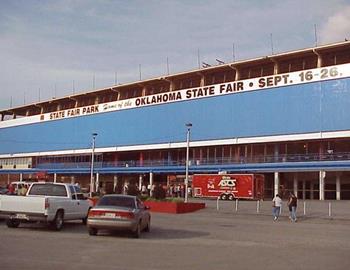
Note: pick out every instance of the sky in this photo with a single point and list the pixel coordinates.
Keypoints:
(57, 48)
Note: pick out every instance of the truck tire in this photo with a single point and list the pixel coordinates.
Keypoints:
(12, 223)
(57, 223)
(231, 197)
(223, 197)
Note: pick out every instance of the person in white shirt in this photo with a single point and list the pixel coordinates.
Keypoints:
(276, 207)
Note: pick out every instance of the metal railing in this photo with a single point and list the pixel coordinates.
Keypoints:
(306, 208)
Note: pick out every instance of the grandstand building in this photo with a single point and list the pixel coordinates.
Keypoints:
(286, 116)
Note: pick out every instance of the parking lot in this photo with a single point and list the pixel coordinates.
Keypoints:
(207, 239)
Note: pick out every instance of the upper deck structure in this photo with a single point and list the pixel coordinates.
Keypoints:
(285, 113)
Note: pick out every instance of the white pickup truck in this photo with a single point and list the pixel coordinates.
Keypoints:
(52, 203)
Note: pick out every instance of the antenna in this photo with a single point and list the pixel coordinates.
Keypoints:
(233, 52)
(271, 40)
(140, 72)
(199, 61)
(315, 30)
(167, 64)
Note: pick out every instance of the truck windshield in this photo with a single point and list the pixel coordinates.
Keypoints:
(48, 190)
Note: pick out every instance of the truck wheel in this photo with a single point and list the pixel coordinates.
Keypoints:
(223, 197)
(231, 197)
(12, 223)
(92, 231)
(57, 223)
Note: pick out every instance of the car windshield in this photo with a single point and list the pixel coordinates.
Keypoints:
(117, 201)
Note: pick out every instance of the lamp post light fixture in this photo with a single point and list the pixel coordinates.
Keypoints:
(188, 125)
(92, 164)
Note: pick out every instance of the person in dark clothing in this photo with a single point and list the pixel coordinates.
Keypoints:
(292, 204)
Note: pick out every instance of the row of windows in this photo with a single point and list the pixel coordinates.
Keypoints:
(16, 161)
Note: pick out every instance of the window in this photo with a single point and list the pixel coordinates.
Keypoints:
(48, 190)
(121, 201)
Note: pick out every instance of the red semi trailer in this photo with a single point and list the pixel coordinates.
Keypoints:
(228, 186)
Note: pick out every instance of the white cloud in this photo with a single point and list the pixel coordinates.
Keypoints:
(337, 27)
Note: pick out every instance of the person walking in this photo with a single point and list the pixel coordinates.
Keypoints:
(292, 204)
(276, 206)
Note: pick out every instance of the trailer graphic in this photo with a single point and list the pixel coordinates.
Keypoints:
(228, 186)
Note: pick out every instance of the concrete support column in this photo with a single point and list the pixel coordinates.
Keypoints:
(304, 190)
(295, 184)
(202, 82)
(144, 91)
(115, 182)
(97, 187)
(141, 159)
(151, 182)
(55, 177)
(238, 74)
(276, 152)
(140, 181)
(311, 190)
(21, 177)
(276, 68)
(322, 175)
(172, 86)
(338, 187)
(276, 183)
(72, 179)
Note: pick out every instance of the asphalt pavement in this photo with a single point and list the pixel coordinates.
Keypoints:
(206, 239)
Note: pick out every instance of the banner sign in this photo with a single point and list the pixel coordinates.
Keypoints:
(260, 83)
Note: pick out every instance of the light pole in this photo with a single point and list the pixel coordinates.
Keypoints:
(188, 125)
(92, 164)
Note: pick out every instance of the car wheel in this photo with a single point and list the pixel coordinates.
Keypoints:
(57, 223)
(12, 223)
(92, 231)
(137, 232)
(148, 226)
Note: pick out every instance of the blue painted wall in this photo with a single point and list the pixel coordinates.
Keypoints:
(314, 107)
